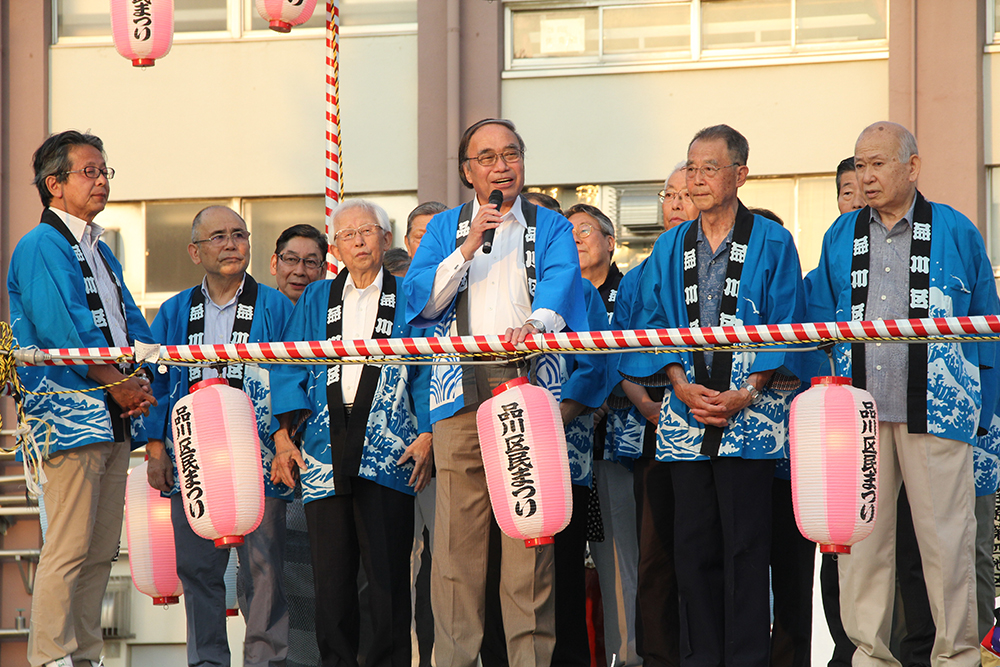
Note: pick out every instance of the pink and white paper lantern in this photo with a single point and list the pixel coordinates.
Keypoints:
(834, 457)
(283, 15)
(523, 443)
(143, 30)
(217, 451)
(150, 537)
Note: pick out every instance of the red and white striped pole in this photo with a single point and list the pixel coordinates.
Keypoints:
(334, 184)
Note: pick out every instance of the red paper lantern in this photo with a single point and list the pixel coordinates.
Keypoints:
(150, 538)
(283, 15)
(217, 450)
(523, 443)
(143, 30)
(834, 457)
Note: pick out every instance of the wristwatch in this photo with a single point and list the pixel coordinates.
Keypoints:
(754, 393)
(538, 324)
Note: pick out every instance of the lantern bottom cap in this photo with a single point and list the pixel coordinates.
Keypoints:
(143, 62)
(232, 612)
(163, 601)
(228, 541)
(835, 548)
(538, 542)
(280, 26)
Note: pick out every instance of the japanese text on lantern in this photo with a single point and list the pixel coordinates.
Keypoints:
(869, 465)
(518, 459)
(187, 460)
(142, 18)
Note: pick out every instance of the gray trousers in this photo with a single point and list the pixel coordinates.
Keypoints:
(985, 588)
(201, 568)
(617, 561)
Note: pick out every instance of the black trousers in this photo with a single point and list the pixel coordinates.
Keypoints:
(657, 624)
(793, 560)
(372, 526)
(570, 587)
(722, 528)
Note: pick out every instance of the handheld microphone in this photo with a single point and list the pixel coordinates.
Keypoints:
(496, 198)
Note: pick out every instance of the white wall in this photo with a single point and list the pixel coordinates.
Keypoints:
(799, 119)
(243, 117)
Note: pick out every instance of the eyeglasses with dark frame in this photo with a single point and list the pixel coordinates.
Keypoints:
(93, 172)
(508, 155)
(239, 237)
(291, 260)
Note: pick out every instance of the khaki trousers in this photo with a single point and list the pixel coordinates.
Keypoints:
(939, 484)
(84, 498)
(461, 546)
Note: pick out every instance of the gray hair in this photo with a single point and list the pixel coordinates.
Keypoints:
(736, 143)
(607, 227)
(52, 158)
(427, 208)
(367, 206)
(680, 166)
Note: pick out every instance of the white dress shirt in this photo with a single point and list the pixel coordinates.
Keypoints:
(498, 287)
(360, 310)
(88, 234)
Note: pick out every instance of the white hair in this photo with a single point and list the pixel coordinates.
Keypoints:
(369, 207)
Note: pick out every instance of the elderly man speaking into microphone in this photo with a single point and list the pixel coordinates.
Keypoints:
(527, 282)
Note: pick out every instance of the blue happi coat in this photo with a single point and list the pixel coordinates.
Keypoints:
(623, 441)
(584, 381)
(961, 283)
(770, 292)
(48, 309)
(170, 327)
(399, 407)
(559, 288)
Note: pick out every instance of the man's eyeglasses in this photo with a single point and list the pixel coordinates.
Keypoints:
(509, 156)
(671, 196)
(708, 170)
(219, 240)
(93, 172)
(348, 235)
(291, 260)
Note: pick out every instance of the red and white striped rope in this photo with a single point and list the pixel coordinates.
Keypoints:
(334, 182)
(636, 339)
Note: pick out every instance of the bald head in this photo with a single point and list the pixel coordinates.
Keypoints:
(885, 130)
(887, 166)
(217, 214)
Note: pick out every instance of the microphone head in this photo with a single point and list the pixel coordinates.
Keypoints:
(496, 198)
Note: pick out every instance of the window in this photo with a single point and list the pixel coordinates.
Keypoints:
(606, 32)
(151, 238)
(92, 18)
(807, 206)
(352, 13)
